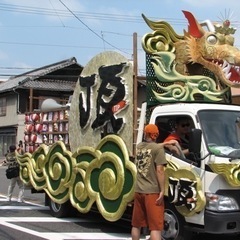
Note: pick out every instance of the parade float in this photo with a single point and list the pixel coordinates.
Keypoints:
(83, 155)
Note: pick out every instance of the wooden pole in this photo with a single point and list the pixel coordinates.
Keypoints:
(135, 87)
(31, 100)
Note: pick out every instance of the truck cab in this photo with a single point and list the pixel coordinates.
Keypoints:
(202, 190)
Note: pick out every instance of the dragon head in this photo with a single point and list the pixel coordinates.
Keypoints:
(201, 65)
(210, 52)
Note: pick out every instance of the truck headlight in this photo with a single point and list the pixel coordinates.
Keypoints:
(220, 203)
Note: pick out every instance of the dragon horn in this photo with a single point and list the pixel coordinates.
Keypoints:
(194, 28)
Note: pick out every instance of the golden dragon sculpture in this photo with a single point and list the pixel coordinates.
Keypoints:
(202, 64)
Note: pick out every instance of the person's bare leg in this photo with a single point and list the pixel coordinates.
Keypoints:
(155, 235)
(135, 233)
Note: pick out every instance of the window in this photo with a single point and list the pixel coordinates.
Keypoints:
(219, 127)
(3, 107)
(179, 127)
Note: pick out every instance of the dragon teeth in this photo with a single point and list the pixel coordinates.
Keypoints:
(226, 67)
(228, 75)
(225, 63)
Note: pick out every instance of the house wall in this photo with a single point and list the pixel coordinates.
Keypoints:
(11, 112)
(20, 128)
(8, 125)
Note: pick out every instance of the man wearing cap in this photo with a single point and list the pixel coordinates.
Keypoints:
(148, 210)
(182, 128)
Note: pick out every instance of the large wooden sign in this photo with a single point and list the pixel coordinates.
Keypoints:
(102, 102)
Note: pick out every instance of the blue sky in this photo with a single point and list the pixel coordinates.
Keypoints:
(35, 33)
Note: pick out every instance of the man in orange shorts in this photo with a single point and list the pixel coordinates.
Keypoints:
(148, 209)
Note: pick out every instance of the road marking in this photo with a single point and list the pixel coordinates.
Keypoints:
(8, 222)
(33, 206)
(3, 198)
(89, 235)
(11, 207)
(42, 219)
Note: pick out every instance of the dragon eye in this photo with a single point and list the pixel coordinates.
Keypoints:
(212, 39)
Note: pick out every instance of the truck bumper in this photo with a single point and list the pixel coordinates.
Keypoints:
(222, 223)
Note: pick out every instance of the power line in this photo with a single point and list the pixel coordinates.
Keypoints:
(16, 68)
(57, 13)
(93, 15)
(91, 29)
(90, 15)
(59, 45)
(86, 15)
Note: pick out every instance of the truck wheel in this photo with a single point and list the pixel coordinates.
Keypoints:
(174, 225)
(59, 210)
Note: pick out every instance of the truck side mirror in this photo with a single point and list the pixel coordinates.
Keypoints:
(195, 138)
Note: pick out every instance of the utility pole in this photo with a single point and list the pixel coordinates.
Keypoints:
(135, 87)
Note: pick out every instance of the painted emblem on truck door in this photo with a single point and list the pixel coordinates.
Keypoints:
(183, 187)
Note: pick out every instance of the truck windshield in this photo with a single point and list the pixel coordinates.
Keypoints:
(221, 130)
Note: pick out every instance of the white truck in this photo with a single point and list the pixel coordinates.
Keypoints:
(203, 192)
(85, 158)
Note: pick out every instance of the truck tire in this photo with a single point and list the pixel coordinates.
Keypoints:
(174, 224)
(59, 210)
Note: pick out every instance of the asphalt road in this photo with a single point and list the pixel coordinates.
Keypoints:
(32, 220)
(29, 222)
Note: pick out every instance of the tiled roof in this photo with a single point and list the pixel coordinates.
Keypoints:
(42, 78)
(50, 84)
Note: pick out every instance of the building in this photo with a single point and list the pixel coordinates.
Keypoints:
(24, 93)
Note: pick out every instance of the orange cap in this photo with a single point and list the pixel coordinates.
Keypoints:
(151, 128)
